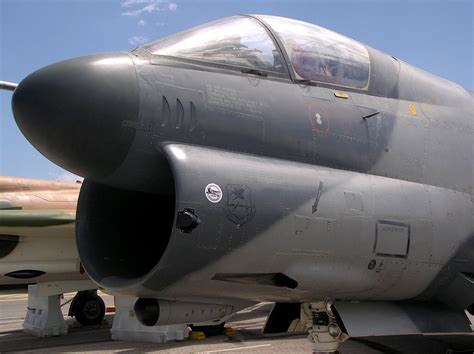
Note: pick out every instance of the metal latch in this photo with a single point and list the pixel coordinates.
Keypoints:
(187, 220)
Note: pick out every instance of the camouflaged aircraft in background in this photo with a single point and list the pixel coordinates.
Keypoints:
(37, 243)
(258, 158)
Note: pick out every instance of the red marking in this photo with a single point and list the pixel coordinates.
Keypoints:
(109, 309)
(324, 121)
(81, 269)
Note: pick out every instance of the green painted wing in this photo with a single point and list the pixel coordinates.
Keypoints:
(35, 218)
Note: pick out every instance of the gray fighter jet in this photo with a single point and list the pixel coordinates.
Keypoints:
(259, 158)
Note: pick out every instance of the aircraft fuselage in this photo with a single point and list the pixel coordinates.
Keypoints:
(260, 186)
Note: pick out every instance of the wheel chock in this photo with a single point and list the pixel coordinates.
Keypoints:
(197, 335)
(229, 331)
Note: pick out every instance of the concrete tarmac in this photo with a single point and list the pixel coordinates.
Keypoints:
(248, 338)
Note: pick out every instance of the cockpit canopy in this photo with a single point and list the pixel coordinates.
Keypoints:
(237, 40)
(262, 42)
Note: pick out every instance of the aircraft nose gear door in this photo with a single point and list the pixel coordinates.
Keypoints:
(320, 322)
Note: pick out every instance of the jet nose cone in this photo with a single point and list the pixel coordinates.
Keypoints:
(73, 112)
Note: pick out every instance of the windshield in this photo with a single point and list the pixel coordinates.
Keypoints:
(318, 54)
(239, 40)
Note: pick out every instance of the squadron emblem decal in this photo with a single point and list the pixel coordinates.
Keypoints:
(213, 193)
(239, 207)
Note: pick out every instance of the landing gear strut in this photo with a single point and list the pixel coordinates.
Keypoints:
(320, 322)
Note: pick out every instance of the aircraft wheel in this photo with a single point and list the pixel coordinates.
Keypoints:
(209, 331)
(89, 309)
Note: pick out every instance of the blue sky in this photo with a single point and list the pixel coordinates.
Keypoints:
(434, 35)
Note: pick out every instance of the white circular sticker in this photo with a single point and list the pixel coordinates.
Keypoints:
(213, 193)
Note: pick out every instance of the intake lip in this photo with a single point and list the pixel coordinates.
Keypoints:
(73, 112)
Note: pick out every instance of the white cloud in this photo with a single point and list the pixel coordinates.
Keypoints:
(152, 7)
(128, 3)
(137, 40)
(172, 6)
(141, 23)
(131, 13)
(139, 7)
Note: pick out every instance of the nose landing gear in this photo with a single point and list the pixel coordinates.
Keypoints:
(88, 308)
(321, 323)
